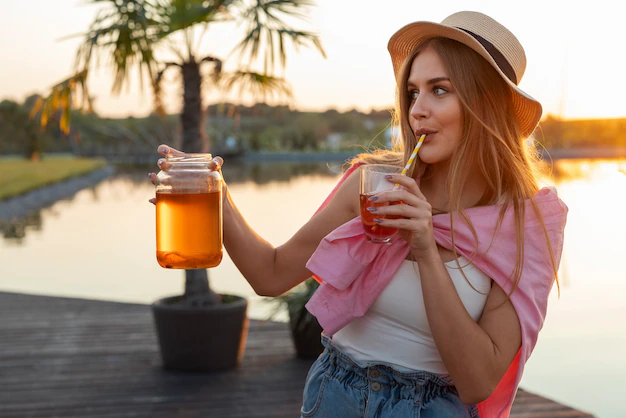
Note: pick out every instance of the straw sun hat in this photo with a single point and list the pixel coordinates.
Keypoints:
(491, 40)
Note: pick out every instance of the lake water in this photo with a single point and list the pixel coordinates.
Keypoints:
(100, 245)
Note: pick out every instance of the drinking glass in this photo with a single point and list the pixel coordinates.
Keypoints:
(373, 181)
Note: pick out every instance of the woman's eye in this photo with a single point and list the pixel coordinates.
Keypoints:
(438, 90)
(413, 94)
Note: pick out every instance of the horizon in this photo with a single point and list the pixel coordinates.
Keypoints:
(357, 73)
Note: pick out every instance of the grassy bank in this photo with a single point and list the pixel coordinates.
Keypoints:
(21, 176)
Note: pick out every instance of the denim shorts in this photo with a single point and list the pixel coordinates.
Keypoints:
(337, 386)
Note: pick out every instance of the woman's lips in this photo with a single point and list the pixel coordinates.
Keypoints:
(428, 136)
(424, 131)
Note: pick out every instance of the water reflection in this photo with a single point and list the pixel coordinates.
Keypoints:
(590, 170)
(15, 230)
(266, 173)
(258, 173)
(599, 172)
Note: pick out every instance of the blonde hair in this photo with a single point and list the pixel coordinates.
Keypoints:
(491, 141)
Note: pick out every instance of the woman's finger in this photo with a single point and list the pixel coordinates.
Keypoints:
(396, 195)
(216, 163)
(394, 209)
(405, 213)
(408, 182)
(163, 164)
(402, 210)
(167, 151)
(413, 225)
(153, 200)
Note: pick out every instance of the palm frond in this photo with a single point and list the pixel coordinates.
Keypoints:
(183, 14)
(69, 94)
(267, 31)
(258, 85)
(125, 32)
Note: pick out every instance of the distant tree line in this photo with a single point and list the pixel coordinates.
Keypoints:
(231, 128)
(556, 133)
(262, 127)
(238, 129)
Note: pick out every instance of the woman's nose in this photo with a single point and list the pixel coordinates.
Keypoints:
(419, 108)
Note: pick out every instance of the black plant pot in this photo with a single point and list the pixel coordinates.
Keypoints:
(201, 338)
(306, 334)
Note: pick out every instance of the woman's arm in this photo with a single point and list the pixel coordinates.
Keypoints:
(476, 354)
(273, 270)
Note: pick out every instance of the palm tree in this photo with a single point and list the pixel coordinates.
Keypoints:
(18, 126)
(133, 34)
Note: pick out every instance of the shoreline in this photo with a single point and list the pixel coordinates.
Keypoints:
(20, 206)
(321, 156)
(582, 153)
(295, 156)
(545, 154)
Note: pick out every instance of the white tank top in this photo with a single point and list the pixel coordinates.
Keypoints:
(395, 329)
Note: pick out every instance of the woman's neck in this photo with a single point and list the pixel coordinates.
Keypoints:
(434, 187)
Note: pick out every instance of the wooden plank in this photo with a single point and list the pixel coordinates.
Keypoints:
(63, 357)
(530, 405)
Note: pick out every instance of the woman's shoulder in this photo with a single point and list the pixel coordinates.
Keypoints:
(348, 190)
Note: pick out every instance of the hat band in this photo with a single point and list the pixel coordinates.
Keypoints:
(497, 56)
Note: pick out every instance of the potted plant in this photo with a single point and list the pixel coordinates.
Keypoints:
(200, 330)
(134, 34)
(305, 330)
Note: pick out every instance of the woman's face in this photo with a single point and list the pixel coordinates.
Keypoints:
(434, 108)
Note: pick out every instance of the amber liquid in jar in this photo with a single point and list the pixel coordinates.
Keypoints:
(189, 230)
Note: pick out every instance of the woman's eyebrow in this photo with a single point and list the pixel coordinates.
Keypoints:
(431, 81)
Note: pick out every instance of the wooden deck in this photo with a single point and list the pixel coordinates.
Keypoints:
(62, 357)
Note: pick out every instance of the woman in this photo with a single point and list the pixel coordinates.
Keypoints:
(440, 322)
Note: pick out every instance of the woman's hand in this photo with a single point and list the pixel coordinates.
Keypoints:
(415, 214)
(167, 151)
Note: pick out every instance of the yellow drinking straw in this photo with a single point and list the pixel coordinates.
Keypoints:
(413, 155)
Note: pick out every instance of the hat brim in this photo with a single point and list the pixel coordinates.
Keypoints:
(404, 41)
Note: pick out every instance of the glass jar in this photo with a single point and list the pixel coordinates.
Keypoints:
(189, 213)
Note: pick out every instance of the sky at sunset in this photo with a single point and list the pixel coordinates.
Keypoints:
(576, 63)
